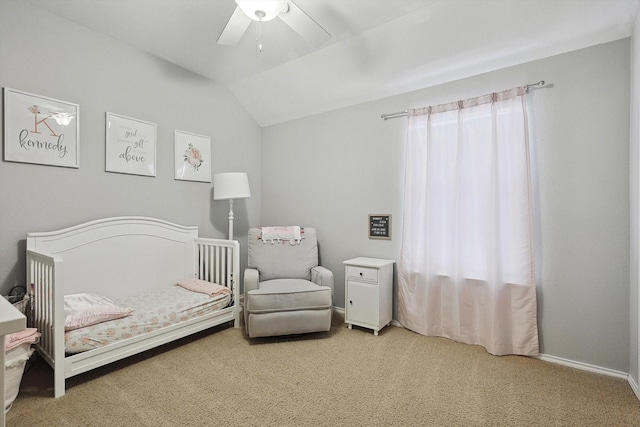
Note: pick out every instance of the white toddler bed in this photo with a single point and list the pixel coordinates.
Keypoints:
(136, 262)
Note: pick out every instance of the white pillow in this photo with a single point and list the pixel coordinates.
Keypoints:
(204, 287)
(88, 309)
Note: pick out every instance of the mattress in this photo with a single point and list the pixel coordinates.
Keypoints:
(153, 311)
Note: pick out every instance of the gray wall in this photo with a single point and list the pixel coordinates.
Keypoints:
(332, 170)
(635, 199)
(46, 55)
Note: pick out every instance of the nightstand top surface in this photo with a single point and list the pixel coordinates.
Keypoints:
(369, 262)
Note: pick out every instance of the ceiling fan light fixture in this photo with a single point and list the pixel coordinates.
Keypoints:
(262, 10)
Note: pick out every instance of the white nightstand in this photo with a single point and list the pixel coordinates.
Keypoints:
(368, 292)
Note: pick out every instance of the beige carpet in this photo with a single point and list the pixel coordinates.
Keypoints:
(344, 377)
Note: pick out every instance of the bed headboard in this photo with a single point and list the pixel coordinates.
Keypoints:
(121, 255)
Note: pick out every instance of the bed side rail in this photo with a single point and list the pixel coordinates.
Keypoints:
(47, 303)
(219, 262)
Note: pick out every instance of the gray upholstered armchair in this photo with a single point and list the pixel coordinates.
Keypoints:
(285, 291)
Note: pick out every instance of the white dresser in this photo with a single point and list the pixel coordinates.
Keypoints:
(368, 292)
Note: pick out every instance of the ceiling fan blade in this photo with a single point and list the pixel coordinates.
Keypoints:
(304, 25)
(235, 28)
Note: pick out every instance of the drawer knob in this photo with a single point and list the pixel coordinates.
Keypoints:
(351, 302)
(360, 274)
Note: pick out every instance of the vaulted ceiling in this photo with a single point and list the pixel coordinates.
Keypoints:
(377, 48)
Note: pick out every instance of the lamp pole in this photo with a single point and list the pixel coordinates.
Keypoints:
(230, 219)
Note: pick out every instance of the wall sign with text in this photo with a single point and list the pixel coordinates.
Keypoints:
(380, 226)
(131, 145)
(40, 130)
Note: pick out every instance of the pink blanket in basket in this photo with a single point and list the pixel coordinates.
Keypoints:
(29, 335)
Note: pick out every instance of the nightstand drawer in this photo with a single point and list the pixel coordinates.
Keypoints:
(362, 273)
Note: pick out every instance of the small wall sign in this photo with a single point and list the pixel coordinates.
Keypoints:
(380, 226)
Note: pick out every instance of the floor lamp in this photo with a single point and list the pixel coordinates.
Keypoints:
(229, 186)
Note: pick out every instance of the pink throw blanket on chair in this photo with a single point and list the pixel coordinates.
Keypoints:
(291, 233)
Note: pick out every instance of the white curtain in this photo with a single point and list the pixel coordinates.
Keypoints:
(466, 270)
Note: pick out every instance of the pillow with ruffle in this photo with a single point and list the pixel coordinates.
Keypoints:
(204, 287)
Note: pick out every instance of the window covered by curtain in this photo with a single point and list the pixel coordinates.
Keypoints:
(466, 270)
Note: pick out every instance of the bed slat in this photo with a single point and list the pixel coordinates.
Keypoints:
(40, 277)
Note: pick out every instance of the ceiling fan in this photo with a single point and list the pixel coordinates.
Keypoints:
(266, 10)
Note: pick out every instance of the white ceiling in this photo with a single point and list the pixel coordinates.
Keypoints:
(378, 48)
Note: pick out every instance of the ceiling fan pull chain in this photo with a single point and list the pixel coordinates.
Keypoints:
(260, 14)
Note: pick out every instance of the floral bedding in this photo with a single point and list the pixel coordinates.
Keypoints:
(151, 312)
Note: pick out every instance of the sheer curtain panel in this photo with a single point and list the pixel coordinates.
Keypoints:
(466, 269)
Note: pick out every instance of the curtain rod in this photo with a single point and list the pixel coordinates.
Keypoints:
(405, 112)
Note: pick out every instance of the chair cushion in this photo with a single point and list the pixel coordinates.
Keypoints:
(282, 260)
(288, 294)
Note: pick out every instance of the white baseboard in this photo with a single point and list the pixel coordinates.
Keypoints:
(584, 366)
(634, 386)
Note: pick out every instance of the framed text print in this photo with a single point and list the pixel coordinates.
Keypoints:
(40, 130)
(380, 226)
(192, 156)
(131, 145)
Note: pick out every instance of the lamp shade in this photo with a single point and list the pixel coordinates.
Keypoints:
(231, 185)
(262, 10)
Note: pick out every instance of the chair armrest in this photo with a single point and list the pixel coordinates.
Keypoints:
(323, 277)
(251, 278)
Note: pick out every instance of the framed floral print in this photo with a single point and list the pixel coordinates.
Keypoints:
(192, 156)
(130, 145)
(40, 130)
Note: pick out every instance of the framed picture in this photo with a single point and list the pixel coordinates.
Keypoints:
(192, 156)
(380, 226)
(40, 130)
(130, 145)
